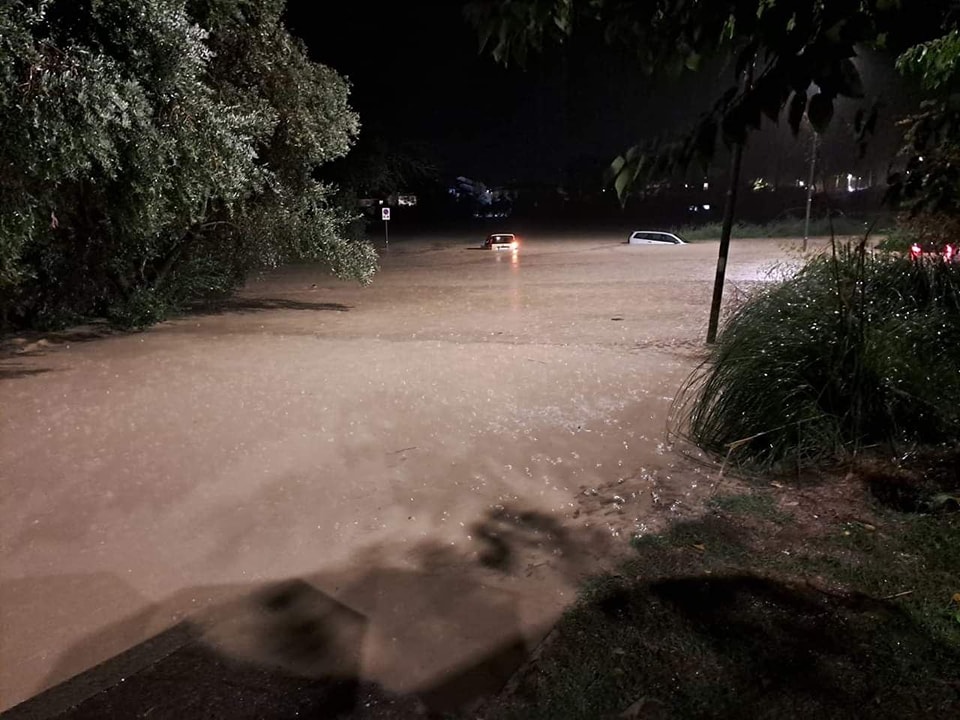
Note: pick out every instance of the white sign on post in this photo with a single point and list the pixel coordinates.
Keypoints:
(385, 213)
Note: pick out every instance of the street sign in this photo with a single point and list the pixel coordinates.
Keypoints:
(385, 213)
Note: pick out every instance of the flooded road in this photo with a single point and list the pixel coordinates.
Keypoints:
(445, 454)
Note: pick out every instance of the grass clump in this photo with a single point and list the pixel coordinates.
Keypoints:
(853, 350)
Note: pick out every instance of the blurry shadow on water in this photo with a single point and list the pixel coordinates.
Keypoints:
(247, 305)
(505, 533)
(35, 343)
(11, 371)
(431, 626)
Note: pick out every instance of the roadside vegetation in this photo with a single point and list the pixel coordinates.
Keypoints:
(156, 151)
(855, 351)
(788, 228)
(781, 601)
(823, 580)
(828, 585)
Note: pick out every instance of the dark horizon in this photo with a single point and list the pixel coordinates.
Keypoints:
(417, 75)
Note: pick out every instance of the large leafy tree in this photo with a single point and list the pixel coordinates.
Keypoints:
(930, 181)
(790, 58)
(153, 150)
(379, 166)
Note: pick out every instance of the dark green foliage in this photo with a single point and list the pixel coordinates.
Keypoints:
(853, 350)
(157, 150)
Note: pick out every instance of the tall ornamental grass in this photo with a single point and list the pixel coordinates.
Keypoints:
(853, 350)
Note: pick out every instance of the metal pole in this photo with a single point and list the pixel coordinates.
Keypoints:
(386, 232)
(813, 164)
(728, 211)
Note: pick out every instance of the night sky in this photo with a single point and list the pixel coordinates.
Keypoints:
(417, 75)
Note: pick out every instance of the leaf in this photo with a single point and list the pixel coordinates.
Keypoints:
(625, 176)
(771, 96)
(616, 166)
(834, 33)
(820, 111)
(729, 28)
(734, 128)
(693, 61)
(798, 104)
(851, 84)
(706, 140)
(752, 111)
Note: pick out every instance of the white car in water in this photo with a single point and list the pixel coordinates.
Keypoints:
(654, 237)
(501, 241)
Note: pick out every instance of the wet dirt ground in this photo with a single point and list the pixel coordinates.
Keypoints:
(434, 461)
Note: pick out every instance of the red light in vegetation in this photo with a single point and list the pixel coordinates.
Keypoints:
(915, 251)
(948, 252)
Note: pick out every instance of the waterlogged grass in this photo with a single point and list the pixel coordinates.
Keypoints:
(721, 619)
(750, 504)
(853, 350)
(821, 227)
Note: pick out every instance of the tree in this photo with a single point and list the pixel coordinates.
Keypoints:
(802, 53)
(930, 181)
(791, 58)
(378, 167)
(155, 150)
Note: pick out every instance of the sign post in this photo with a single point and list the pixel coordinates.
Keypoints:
(385, 215)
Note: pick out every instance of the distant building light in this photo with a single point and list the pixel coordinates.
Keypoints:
(706, 206)
(408, 200)
(706, 186)
(920, 158)
(801, 183)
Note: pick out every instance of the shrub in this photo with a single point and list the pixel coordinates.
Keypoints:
(935, 229)
(852, 350)
(158, 149)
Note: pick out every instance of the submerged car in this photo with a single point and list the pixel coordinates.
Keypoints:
(654, 237)
(501, 241)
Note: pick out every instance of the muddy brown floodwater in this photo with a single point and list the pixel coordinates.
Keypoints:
(445, 454)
